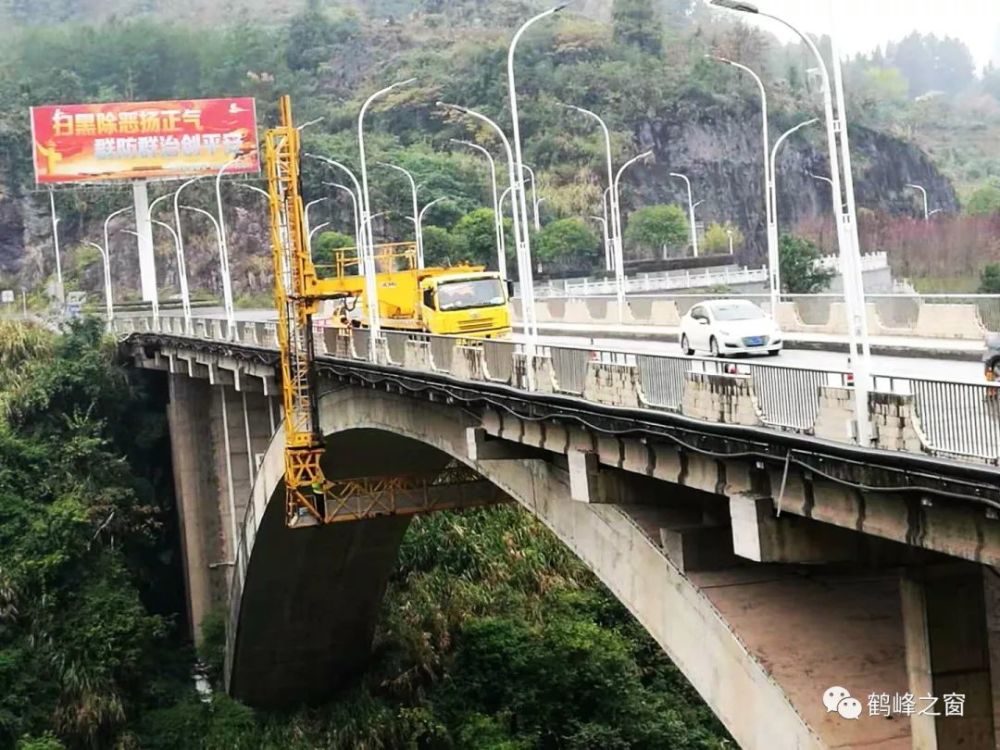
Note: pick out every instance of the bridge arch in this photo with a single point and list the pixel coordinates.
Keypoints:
(304, 602)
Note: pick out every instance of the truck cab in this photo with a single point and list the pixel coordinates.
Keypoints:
(465, 304)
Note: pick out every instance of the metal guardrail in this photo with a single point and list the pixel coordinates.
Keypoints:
(955, 419)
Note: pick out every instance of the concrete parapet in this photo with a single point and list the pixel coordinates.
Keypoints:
(664, 313)
(542, 374)
(468, 363)
(576, 311)
(949, 321)
(602, 309)
(418, 355)
(895, 422)
(835, 418)
(720, 398)
(613, 384)
(338, 342)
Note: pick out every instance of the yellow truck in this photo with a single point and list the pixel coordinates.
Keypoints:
(461, 300)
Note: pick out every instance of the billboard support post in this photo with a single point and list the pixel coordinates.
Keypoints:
(144, 237)
(60, 289)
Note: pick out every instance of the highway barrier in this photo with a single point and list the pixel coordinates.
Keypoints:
(960, 317)
(951, 419)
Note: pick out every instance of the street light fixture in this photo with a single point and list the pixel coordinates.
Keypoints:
(523, 250)
(844, 205)
(770, 189)
(518, 197)
(109, 308)
(419, 221)
(619, 254)
(417, 234)
(107, 246)
(923, 192)
(360, 241)
(313, 231)
(371, 291)
(776, 273)
(354, 206)
(694, 229)
(497, 217)
(211, 217)
(534, 195)
(309, 233)
(155, 302)
(615, 216)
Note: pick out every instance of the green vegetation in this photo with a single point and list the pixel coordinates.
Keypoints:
(655, 228)
(800, 271)
(568, 244)
(989, 279)
(492, 634)
(984, 202)
(717, 237)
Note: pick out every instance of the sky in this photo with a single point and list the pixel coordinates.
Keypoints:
(865, 24)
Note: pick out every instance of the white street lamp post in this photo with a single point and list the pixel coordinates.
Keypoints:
(60, 291)
(611, 221)
(694, 229)
(417, 234)
(729, 234)
(360, 241)
(776, 271)
(836, 127)
(227, 284)
(371, 290)
(313, 231)
(107, 246)
(619, 253)
(211, 217)
(523, 250)
(181, 257)
(612, 231)
(309, 233)
(923, 192)
(534, 195)
(109, 308)
(497, 217)
(770, 189)
(354, 207)
(420, 216)
(518, 197)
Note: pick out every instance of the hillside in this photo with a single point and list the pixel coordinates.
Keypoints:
(641, 64)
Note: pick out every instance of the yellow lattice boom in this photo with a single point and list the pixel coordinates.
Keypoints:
(293, 273)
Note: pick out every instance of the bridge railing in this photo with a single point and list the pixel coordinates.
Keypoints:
(952, 419)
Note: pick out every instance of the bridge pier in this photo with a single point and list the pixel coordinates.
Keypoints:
(216, 436)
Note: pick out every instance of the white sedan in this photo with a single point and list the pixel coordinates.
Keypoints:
(723, 327)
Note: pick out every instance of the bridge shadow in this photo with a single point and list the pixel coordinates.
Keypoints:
(311, 597)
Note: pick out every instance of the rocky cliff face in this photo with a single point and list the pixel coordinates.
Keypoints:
(721, 151)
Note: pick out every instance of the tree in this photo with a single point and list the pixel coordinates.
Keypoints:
(634, 23)
(716, 239)
(800, 269)
(653, 227)
(984, 201)
(475, 238)
(324, 249)
(439, 246)
(568, 244)
(989, 279)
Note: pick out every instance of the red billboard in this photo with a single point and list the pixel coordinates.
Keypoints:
(140, 140)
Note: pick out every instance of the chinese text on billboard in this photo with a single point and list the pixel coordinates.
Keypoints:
(132, 140)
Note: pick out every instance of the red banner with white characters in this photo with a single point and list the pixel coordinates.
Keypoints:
(143, 140)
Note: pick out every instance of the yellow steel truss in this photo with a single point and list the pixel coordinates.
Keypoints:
(293, 272)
